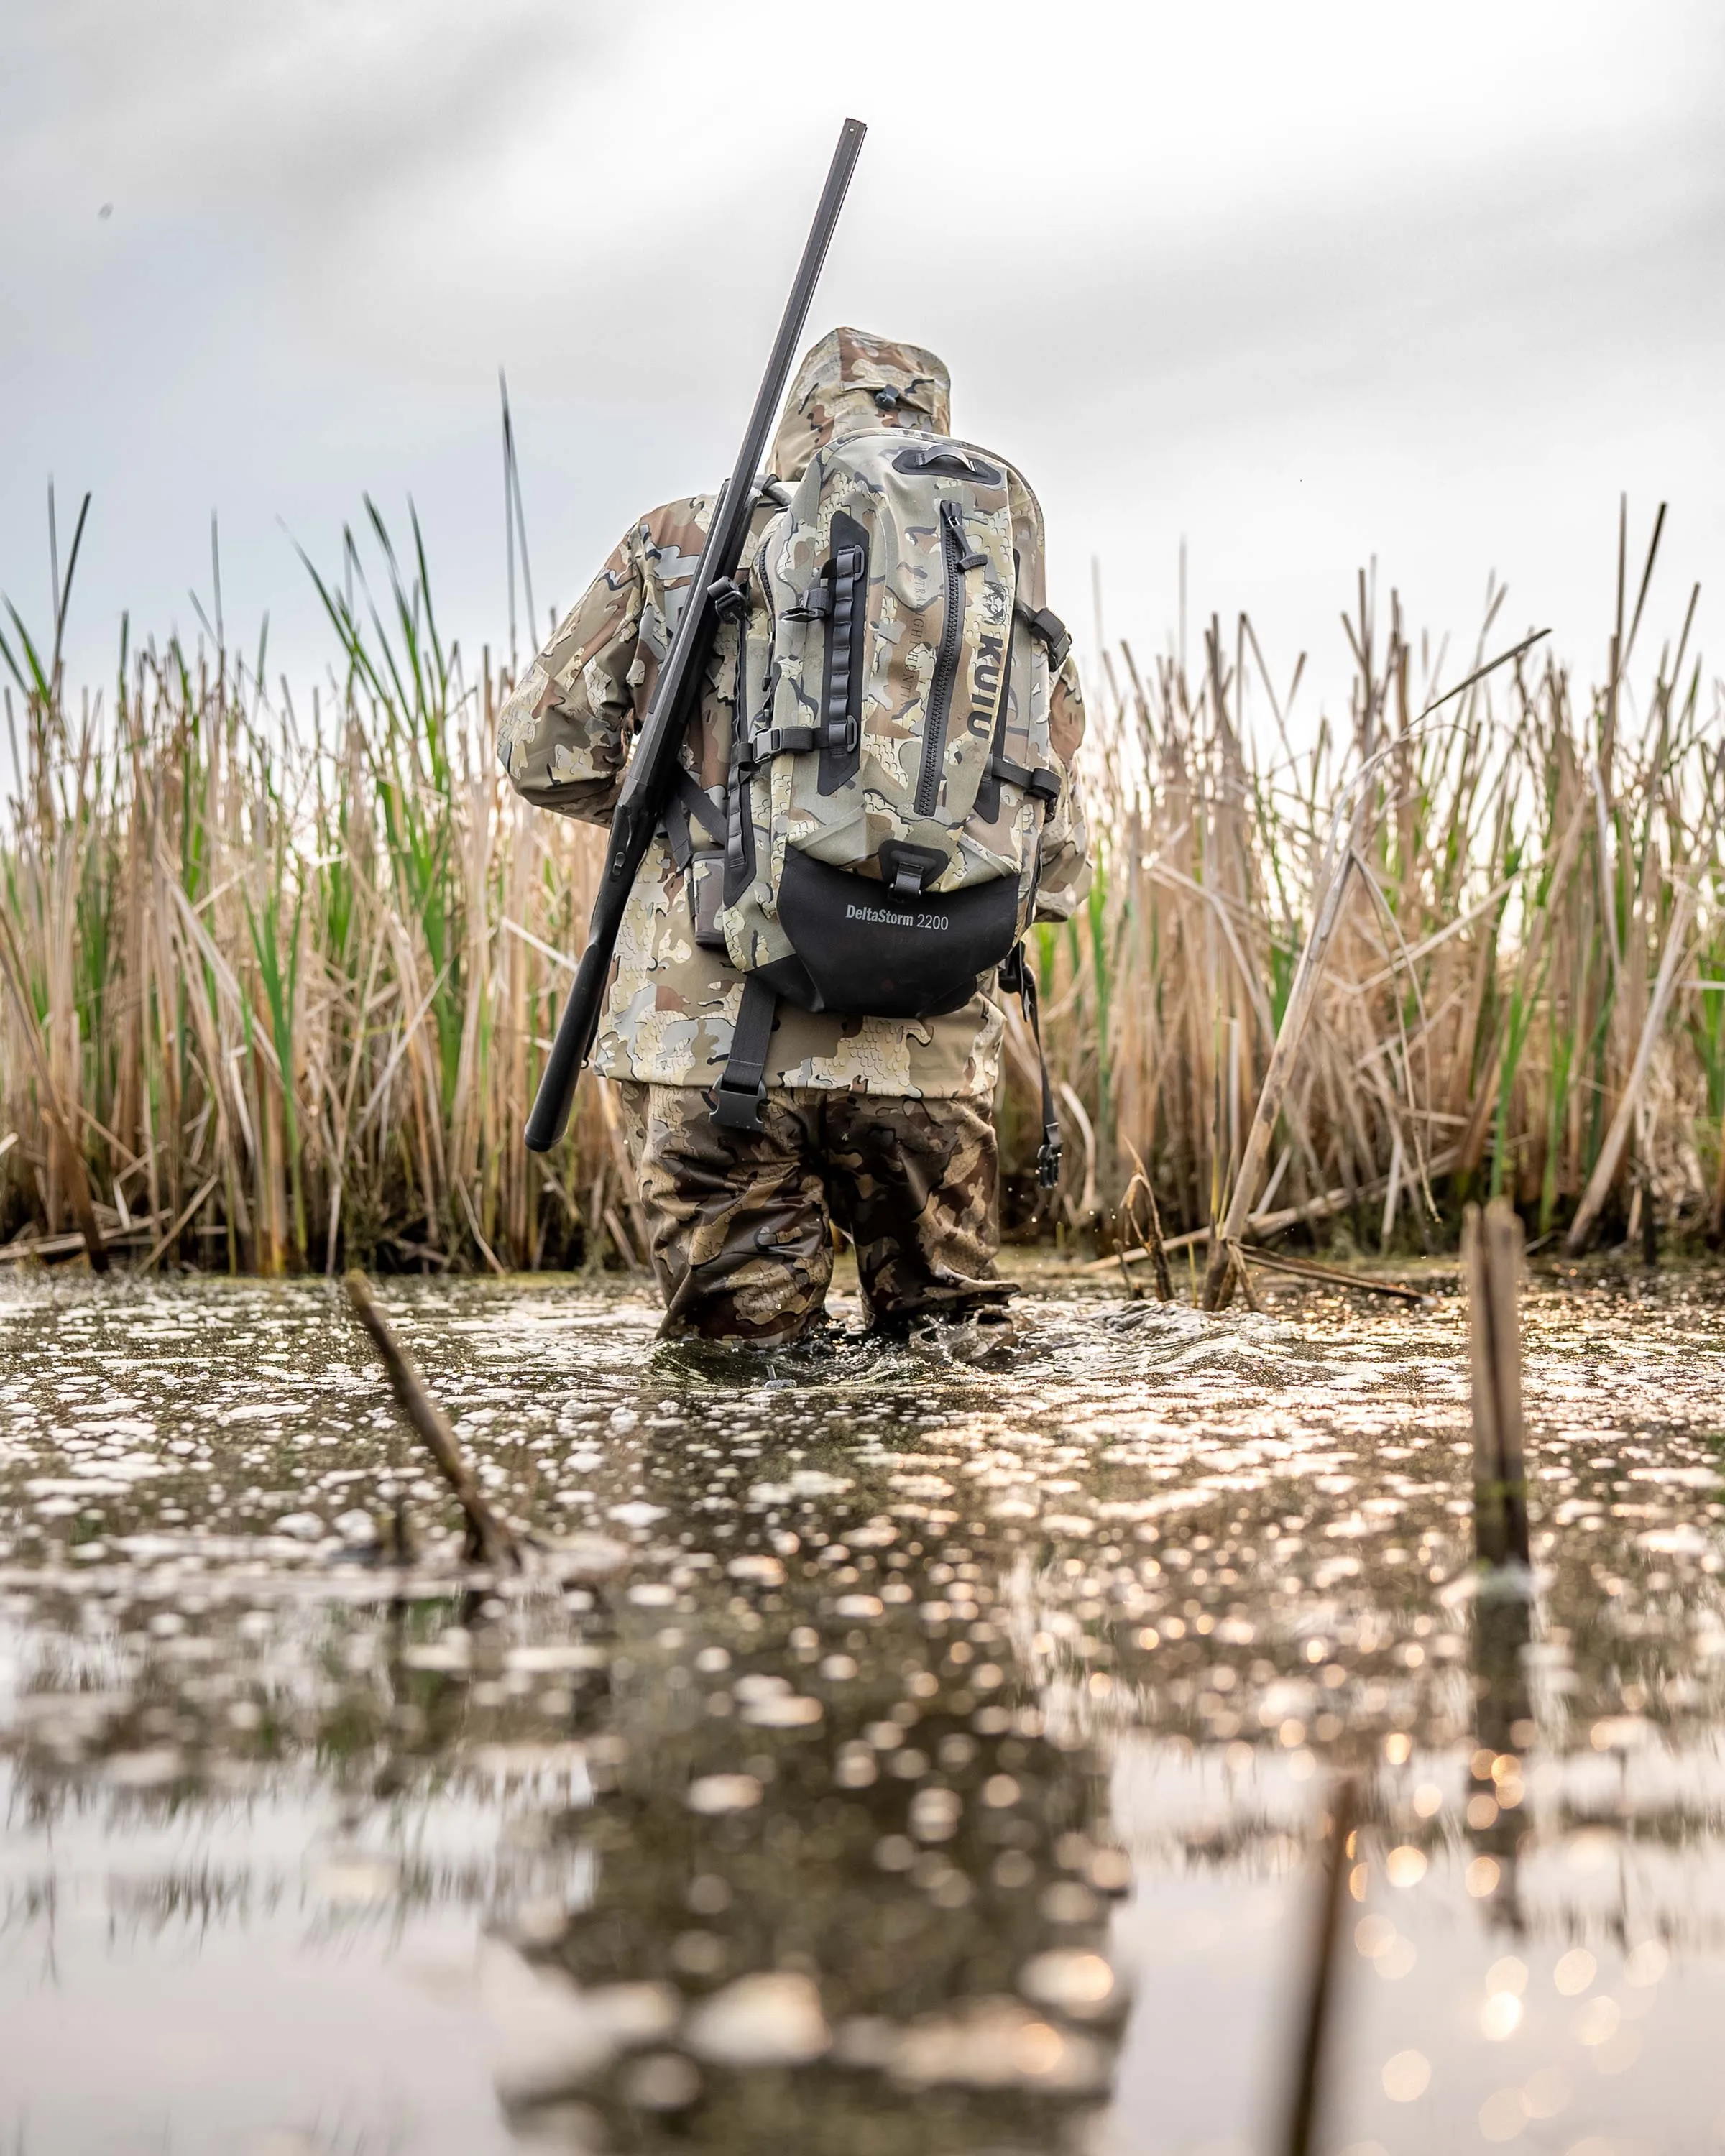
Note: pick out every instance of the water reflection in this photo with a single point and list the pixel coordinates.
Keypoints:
(887, 1757)
(810, 1853)
(1495, 1812)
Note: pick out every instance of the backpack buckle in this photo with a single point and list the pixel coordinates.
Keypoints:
(1048, 1157)
(908, 870)
(738, 1108)
(1049, 631)
(730, 601)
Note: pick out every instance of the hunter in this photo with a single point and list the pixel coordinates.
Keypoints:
(884, 1126)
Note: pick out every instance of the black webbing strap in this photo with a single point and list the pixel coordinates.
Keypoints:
(1042, 785)
(1017, 979)
(741, 1090)
(690, 803)
(739, 850)
(779, 741)
(1049, 629)
(674, 824)
(850, 568)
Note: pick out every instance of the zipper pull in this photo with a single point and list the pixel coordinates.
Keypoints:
(954, 517)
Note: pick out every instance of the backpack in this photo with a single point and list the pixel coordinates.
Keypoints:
(890, 768)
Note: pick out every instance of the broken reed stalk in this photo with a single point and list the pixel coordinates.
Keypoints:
(1492, 1261)
(1320, 1988)
(488, 1540)
(1277, 1223)
(1150, 1241)
(1157, 1248)
(1243, 1279)
(1306, 1269)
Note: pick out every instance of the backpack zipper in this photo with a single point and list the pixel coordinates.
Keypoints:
(955, 556)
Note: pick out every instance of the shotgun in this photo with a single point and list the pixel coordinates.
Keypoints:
(652, 765)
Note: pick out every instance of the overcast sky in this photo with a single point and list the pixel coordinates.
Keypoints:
(1304, 285)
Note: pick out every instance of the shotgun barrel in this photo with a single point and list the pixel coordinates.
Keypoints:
(653, 765)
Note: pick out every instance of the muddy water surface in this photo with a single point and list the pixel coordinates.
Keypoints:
(884, 1758)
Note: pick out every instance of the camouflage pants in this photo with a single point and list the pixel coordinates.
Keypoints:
(741, 1221)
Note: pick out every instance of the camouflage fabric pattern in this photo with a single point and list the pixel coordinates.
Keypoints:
(563, 738)
(740, 1221)
(851, 382)
(997, 689)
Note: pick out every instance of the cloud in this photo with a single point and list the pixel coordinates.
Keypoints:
(1300, 284)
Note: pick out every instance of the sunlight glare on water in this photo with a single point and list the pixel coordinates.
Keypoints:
(882, 1755)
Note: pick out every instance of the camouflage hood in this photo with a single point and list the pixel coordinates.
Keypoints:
(850, 381)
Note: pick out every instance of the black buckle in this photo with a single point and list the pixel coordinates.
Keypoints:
(1048, 1159)
(738, 1108)
(730, 601)
(1049, 631)
(907, 870)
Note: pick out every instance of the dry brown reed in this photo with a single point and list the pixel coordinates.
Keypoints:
(292, 968)
(1525, 990)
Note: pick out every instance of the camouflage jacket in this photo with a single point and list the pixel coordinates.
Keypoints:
(564, 735)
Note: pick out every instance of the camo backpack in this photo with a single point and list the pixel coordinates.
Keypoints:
(890, 770)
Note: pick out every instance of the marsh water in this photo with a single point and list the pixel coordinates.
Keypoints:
(881, 1756)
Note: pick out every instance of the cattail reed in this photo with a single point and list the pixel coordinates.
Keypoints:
(286, 962)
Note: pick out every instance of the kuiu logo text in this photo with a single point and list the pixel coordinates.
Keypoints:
(985, 686)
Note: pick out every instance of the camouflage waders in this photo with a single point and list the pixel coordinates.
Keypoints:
(882, 1124)
(742, 1221)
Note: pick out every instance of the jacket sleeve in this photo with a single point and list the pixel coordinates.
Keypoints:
(1064, 876)
(563, 732)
